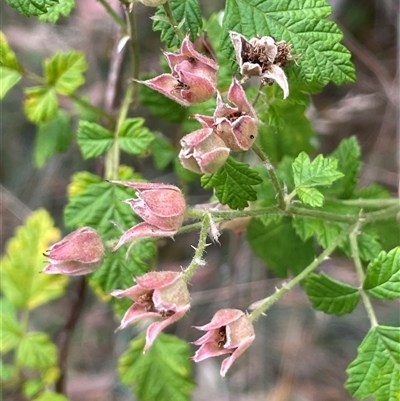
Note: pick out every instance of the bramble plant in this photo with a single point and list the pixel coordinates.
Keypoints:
(246, 83)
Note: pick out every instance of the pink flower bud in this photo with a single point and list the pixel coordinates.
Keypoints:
(80, 252)
(193, 77)
(161, 206)
(229, 332)
(236, 126)
(203, 152)
(263, 57)
(163, 295)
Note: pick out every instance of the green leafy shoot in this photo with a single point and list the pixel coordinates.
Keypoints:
(53, 136)
(64, 71)
(163, 373)
(382, 280)
(41, 104)
(10, 69)
(93, 139)
(162, 151)
(133, 137)
(55, 11)
(31, 8)
(331, 296)
(10, 333)
(307, 175)
(36, 350)
(233, 184)
(302, 23)
(188, 16)
(21, 282)
(376, 370)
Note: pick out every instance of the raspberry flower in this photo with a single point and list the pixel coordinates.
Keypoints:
(80, 252)
(163, 295)
(161, 206)
(263, 57)
(236, 126)
(203, 151)
(193, 77)
(229, 332)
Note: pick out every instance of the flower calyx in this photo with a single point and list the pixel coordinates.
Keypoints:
(162, 295)
(80, 252)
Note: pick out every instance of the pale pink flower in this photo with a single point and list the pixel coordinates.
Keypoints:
(193, 77)
(162, 295)
(263, 57)
(229, 332)
(161, 206)
(235, 125)
(203, 151)
(80, 252)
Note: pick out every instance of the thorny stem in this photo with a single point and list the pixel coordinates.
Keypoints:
(361, 276)
(272, 174)
(370, 202)
(201, 246)
(265, 304)
(172, 21)
(113, 14)
(113, 154)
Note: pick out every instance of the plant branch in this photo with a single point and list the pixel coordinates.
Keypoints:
(272, 174)
(201, 246)
(113, 14)
(64, 337)
(172, 21)
(98, 110)
(266, 303)
(361, 275)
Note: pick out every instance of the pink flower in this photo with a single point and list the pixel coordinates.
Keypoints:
(163, 295)
(203, 151)
(229, 332)
(193, 77)
(80, 252)
(161, 206)
(236, 126)
(263, 57)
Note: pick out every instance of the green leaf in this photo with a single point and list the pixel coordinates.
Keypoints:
(233, 184)
(279, 247)
(118, 271)
(93, 139)
(310, 196)
(8, 78)
(349, 163)
(32, 7)
(32, 387)
(188, 16)
(302, 23)
(10, 332)
(163, 373)
(41, 104)
(64, 71)
(55, 11)
(331, 296)
(21, 282)
(284, 129)
(321, 171)
(383, 276)
(98, 204)
(371, 191)
(160, 105)
(53, 136)
(133, 138)
(36, 351)
(51, 396)
(376, 370)
(162, 151)
(7, 372)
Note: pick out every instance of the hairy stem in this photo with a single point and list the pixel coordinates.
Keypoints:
(265, 304)
(111, 12)
(361, 276)
(272, 174)
(172, 21)
(201, 246)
